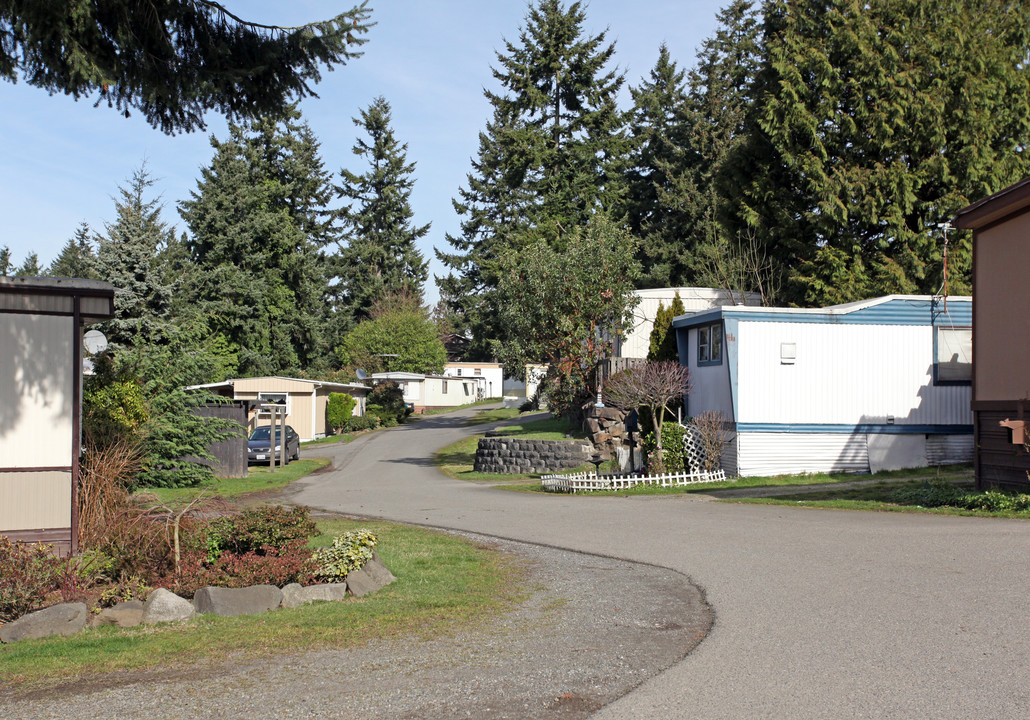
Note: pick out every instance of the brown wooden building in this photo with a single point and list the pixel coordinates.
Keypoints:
(1001, 335)
(41, 321)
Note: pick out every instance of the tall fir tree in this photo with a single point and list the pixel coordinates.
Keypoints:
(76, 259)
(549, 158)
(257, 222)
(379, 256)
(660, 197)
(30, 266)
(876, 121)
(6, 266)
(127, 256)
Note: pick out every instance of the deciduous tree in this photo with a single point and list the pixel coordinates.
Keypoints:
(561, 302)
(654, 385)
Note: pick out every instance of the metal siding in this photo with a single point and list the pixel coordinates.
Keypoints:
(784, 453)
(636, 341)
(36, 303)
(844, 374)
(948, 449)
(271, 384)
(709, 384)
(36, 391)
(31, 500)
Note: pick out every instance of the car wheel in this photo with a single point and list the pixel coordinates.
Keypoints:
(296, 454)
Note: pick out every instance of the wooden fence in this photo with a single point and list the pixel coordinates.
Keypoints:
(230, 456)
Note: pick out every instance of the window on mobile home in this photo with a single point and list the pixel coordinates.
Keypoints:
(953, 356)
(709, 344)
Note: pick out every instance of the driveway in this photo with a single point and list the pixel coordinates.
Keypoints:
(819, 614)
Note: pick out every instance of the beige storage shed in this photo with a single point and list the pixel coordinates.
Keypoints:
(41, 323)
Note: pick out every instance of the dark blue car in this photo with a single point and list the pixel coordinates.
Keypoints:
(258, 447)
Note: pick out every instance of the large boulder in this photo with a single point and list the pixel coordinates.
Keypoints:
(165, 606)
(126, 614)
(228, 602)
(295, 595)
(360, 583)
(63, 619)
(380, 574)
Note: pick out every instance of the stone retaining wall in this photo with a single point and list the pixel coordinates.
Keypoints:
(517, 456)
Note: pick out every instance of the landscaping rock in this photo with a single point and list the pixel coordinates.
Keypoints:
(63, 619)
(378, 571)
(126, 614)
(295, 595)
(360, 583)
(165, 606)
(228, 602)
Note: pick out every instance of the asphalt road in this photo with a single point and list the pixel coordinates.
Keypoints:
(819, 614)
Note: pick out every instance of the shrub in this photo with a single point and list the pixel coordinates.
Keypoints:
(711, 428)
(127, 588)
(291, 562)
(386, 417)
(387, 401)
(339, 410)
(137, 541)
(348, 552)
(28, 573)
(255, 529)
(672, 449)
(368, 422)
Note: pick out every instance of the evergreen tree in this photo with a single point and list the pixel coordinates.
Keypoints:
(76, 259)
(663, 337)
(875, 122)
(549, 158)
(127, 257)
(257, 221)
(30, 267)
(171, 60)
(380, 257)
(6, 266)
(655, 203)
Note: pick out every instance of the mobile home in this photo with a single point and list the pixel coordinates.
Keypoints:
(866, 386)
(41, 322)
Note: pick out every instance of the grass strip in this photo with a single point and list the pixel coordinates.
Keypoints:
(259, 479)
(342, 438)
(443, 583)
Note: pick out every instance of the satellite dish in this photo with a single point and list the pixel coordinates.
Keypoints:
(360, 372)
(95, 342)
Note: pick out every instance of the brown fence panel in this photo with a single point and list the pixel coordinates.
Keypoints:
(230, 456)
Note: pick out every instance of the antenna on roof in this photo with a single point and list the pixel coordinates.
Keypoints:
(943, 292)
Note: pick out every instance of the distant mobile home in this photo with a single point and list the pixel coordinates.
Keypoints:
(489, 376)
(430, 392)
(305, 400)
(41, 322)
(1001, 334)
(635, 341)
(866, 386)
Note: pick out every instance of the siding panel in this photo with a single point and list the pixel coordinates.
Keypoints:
(35, 500)
(786, 453)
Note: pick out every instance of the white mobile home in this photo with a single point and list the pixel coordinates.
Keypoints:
(635, 341)
(866, 386)
(489, 376)
(428, 392)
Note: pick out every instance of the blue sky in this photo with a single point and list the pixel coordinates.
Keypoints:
(63, 161)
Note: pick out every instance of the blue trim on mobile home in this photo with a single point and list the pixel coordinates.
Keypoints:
(889, 310)
(861, 429)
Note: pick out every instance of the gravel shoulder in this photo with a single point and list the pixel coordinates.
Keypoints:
(591, 630)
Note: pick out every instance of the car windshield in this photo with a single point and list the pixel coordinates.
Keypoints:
(262, 433)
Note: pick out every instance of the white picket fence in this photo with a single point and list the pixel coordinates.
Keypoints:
(588, 481)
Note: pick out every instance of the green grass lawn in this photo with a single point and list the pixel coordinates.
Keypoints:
(442, 411)
(916, 496)
(329, 440)
(458, 459)
(493, 415)
(259, 479)
(443, 583)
